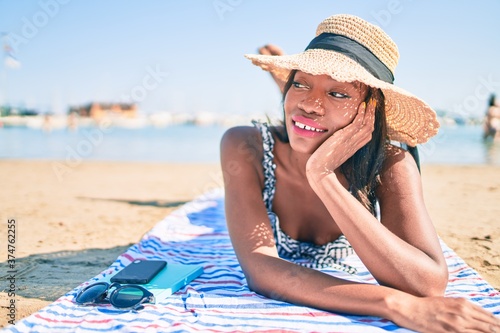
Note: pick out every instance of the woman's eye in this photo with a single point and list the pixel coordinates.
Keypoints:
(338, 95)
(298, 85)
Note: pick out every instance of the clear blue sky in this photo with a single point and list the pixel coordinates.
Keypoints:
(76, 51)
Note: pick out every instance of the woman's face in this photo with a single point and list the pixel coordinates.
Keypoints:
(316, 106)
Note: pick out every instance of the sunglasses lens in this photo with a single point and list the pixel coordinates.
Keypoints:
(126, 297)
(92, 293)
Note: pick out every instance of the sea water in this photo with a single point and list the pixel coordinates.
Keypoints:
(458, 145)
(183, 143)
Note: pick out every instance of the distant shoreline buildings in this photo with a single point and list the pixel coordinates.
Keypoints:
(98, 111)
(128, 115)
(117, 115)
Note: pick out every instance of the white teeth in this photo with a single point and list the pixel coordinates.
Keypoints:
(308, 128)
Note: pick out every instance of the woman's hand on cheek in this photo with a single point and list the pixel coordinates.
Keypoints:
(342, 144)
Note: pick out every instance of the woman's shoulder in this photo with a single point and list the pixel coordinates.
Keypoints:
(399, 169)
(251, 136)
(240, 132)
(241, 142)
(238, 135)
(399, 159)
(242, 155)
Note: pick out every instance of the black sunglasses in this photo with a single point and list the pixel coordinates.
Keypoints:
(123, 297)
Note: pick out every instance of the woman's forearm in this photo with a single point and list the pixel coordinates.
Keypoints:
(279, 279)
(391, 260)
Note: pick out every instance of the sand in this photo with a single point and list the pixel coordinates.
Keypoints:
(73, 220)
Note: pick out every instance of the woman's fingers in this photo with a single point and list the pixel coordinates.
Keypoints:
(369, 118)
(365, 117)
(445, 315)
(486, 321)
(362, 127)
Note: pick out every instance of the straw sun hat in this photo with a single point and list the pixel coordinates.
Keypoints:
(347, 48)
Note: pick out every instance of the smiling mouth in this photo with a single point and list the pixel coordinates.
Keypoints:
(307, 128)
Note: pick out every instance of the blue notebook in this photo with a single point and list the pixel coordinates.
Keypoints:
(169, 280)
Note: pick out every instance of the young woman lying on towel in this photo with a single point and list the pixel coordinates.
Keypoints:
(336, 178)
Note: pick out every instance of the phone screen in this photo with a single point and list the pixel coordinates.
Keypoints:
(139, 271)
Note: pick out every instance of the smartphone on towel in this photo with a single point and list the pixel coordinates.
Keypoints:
(139, 272)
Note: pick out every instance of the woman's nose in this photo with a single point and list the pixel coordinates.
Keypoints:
(312, 104)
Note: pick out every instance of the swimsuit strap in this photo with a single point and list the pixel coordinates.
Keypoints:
(267, 163)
